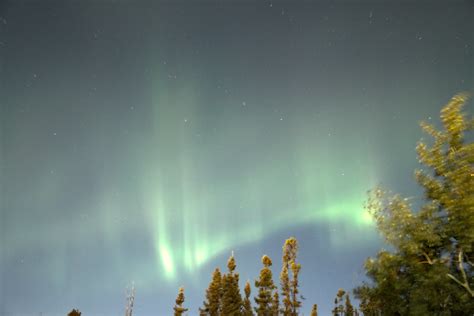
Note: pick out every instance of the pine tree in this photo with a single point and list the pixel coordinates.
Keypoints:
(265, 287)
(178, 308)
(430, 270)
(231, 299)
(289, 287)
(74, 312)
(213, 295)
(314, 310)
(275, 306)
(247, 306)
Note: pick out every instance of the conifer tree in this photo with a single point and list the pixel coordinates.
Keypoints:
(247, 306)
(275, 306)
(130, 299)
(265, 287)
(314, 310)
(348, 308)
(178, 308)
(338, 301)
(231, 303)
(285, 290)
(289, 288)
(430, 270)
(295, 303)
(74, 312)
(213, 295)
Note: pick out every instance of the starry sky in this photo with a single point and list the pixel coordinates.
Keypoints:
(143, 141)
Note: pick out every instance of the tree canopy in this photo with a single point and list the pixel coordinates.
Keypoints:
(430, 269)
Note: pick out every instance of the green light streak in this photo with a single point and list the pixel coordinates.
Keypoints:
(166, 259)
(200, 207)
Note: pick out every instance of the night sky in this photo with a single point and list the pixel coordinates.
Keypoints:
(143, 141)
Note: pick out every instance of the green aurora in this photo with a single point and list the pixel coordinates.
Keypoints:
(145, 141)
(195, 215)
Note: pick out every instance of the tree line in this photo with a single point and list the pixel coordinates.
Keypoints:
(430, 269)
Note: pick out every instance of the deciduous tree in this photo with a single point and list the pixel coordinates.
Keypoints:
(430, 269)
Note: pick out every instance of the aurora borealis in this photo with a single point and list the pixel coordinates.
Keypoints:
(144, 141)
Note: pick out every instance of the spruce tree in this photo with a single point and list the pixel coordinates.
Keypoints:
(74, 312)
(295, 303)
(430, 270)
(130, 299)
(314, 310)
(348, 308)
(213, 295)
(231, 299)
(338, 301)
(285, 290)
(265, 287)
(178, 308)
(289, 288)
(247, 306)
(275, 306)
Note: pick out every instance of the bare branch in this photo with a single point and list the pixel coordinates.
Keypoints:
(428, 259)
(464, 284)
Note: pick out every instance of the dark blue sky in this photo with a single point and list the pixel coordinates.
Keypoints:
(144, 141)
